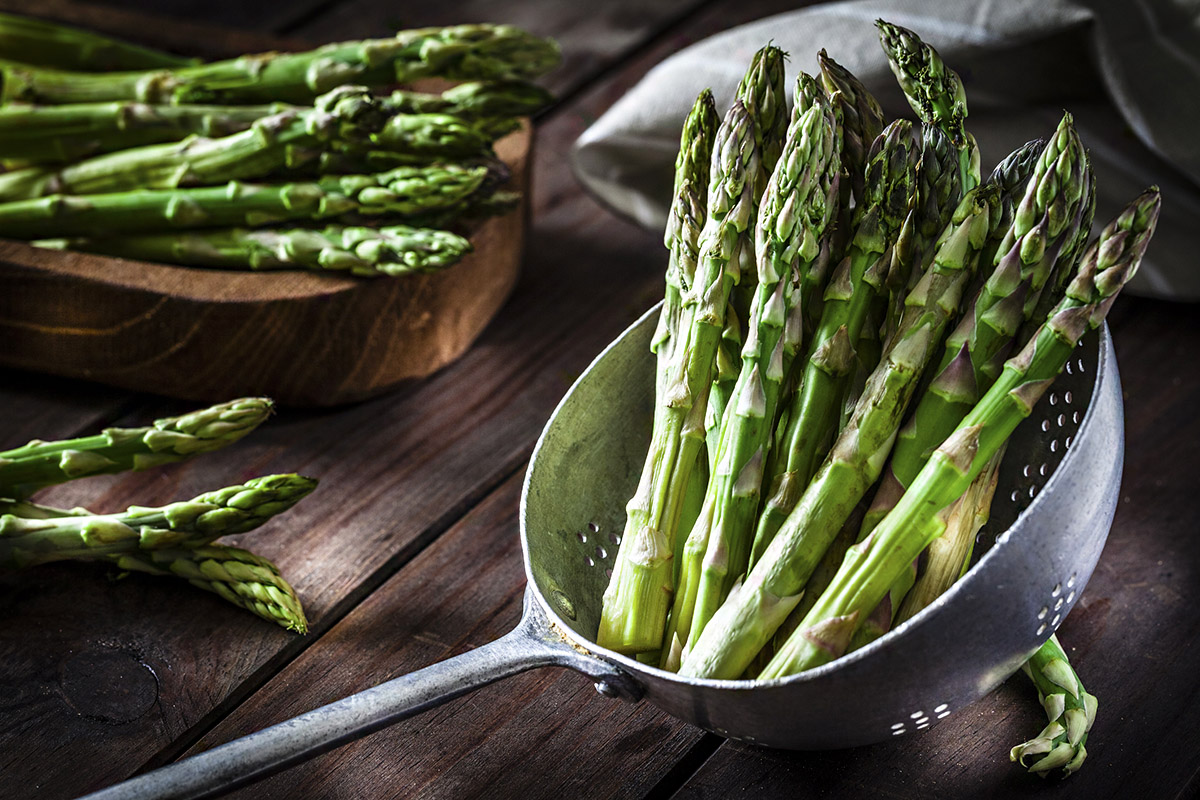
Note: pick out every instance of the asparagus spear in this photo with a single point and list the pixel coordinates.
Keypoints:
(1069, 709)
(639, 593)
(871, 566)
(43, 43)
(854, 286)
(44, 133)
(235, 509)
(862, 121)
(401, 192)
(461, 53)
(934, 91)
(348, 114)
(772, 588)
(40, 133)
(240, 577)
(24, 470)
(797, 206)
(369, 252)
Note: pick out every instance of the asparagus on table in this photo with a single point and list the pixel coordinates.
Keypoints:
(357, 250)
(798, 204)
(1069, 709)
(855, 284)
(871, 567)
(43, 133)
(43, 43)
(934, 91)
(348, 114)
(27, 542)
(639, 594)
(24, 470)
(400, 192)
(240, 577)
(862, 121)
(460, 53)
(748, 619)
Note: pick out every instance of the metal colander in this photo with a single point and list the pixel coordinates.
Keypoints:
(1054, 504)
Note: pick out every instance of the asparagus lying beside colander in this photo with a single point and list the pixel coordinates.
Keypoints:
(99, 160)
(942, 323)
(176, 539)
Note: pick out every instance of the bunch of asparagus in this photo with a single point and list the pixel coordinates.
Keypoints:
(902, 315)
(107, 147)
(177, 539)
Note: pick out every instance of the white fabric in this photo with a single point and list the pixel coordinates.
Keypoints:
(1128, 70)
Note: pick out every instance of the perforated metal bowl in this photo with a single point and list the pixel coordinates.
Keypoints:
(1057, 493)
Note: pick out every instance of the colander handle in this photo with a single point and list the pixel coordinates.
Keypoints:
(533, 643)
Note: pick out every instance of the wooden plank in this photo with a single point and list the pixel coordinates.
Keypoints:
(543, 734)
(1134, 635)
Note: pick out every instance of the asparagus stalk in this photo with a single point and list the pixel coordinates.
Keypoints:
(862, 121)
(401, 192)
(853, 288)
(24, 470)
(394, 250)
(872, 566)
(797, 206)
(346, 115)
(238, 576)
(235, 509)
(460, 53)
(772, 588)
(45, 133)
(639, 593)
(43, 43)
(1069, 709)
(934, 91)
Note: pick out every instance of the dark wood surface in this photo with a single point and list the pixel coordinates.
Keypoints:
(407, 553)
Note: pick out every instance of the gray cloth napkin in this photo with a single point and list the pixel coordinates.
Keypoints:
(1128, 70)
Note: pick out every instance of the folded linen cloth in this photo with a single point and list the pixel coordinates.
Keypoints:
(1128, 70)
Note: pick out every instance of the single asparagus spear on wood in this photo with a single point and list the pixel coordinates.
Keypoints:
(871, 567)
(43, 43)
(27, 542)
(460, 53)
(24, 470)
(748, 619)
(238, 576)
(639, 594)
(400, 192)
(394, 250)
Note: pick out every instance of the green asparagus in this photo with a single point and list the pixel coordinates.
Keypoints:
(852, 289)
(934, 91)
(461, 53)
(348, 115)
(240, 577)
(43, 43)
(356, 250)
(401, 192)
(24, 470)
(235, 509)
(872, 566)
(750, 616)
(796, 208)
(862, 120)
(1069, 709)
(639, 594)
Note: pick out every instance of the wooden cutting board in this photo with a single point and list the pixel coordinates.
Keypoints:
(208, 335)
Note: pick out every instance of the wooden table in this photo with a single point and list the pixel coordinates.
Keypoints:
(408, 552)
